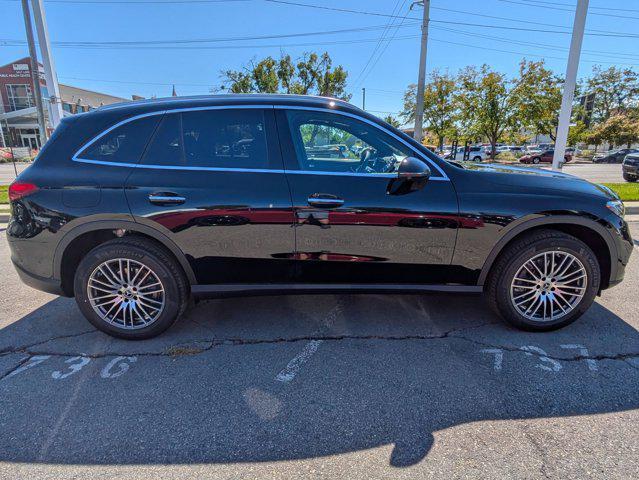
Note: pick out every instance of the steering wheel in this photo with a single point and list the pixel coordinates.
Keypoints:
(367, 156)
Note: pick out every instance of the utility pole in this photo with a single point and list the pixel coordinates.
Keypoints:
(47, 61)
(35, 73)
(363, 98)
(421, 78)
(569, 84)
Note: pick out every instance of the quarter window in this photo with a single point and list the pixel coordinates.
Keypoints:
(123, 144)
(335, 143)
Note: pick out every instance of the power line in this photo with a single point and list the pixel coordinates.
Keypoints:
(139, 83)
(211, 40)
(140, 2)
(547, 6)
(390, 22)
(590, 7)
(381, 53)
(511, 41)
(222, 47)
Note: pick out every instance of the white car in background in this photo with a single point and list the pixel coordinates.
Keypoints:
(478, 153)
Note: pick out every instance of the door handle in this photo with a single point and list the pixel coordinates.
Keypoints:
(325, 200)
(166, 198)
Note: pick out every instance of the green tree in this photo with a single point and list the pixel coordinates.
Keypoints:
(615, 91)
(577, 133)
(312, 74)
(391, 120)
(620, 129)
(440, 109)
(537, 98)
(486, 103)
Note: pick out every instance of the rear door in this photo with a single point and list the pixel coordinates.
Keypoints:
(212, 180)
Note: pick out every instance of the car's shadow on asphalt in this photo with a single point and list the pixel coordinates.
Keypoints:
(298, 377)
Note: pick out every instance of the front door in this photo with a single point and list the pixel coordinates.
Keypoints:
(349, 229)
(213, 181)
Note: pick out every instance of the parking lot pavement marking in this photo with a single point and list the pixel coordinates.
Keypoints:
(499, 357)
(63, 416)
(293, 367)
(28, 363)
(296, 363)
(583, 351)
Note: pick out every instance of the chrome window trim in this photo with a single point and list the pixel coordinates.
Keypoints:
(77, 158)
(247, 170)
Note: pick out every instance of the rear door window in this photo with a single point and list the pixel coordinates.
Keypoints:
(123, 144)
(228, 139)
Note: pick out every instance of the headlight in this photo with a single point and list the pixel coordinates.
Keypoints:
(616, 207)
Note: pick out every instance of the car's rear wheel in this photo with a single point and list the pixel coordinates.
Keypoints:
(477, 159)
(544, 281)
(629, 178)
(536, 160)
(130, 288)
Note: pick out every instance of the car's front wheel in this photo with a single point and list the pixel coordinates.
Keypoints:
(130, 288)
(544, 281)
(536, 160)
(629, 178)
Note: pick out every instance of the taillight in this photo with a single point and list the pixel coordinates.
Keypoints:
(18, 190)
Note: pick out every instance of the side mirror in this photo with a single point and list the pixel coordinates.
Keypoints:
(412, 168)
(412, 175)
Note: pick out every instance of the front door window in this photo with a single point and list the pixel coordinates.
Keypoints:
(325, 142)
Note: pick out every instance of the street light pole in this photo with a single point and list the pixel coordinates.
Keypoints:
(569, 84)
(35, 73)
(421, 78)
(47, 61)
(363, 98)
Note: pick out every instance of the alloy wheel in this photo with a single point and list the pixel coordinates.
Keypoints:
(125, 293)
(548, 286)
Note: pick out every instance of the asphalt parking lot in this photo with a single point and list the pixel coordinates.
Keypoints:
(347, 386)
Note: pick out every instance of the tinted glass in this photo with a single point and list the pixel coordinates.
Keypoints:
(124, 144)
(210, 138)
(225, 138)
(336, 143)
(166, 146)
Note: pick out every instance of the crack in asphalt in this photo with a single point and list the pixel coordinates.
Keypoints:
(25, 348)
(575, 358)
(196, 347)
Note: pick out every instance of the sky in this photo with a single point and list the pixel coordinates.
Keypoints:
(379, 48)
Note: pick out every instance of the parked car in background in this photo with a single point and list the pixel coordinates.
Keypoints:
(613, 156)
(630, 167)
(479, 153)
(133, 208)
(510, 148)
(544, 156)
(575, 152)
(448, 155)
(539, 147)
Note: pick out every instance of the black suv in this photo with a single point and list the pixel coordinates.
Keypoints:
(134, 207)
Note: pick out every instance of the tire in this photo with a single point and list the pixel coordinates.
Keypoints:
(629, 178)
(536, 160)
(147, 317)
(477, 159)
(501, 289)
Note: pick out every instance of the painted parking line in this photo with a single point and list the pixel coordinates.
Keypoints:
(293, 367)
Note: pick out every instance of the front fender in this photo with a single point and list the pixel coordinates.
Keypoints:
(600, 226)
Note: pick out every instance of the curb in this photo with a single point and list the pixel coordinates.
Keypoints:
(632, 208)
